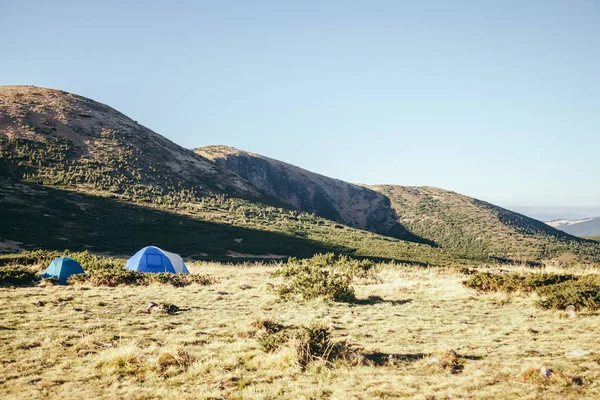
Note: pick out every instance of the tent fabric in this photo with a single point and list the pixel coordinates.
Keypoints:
(153, 259)
(62, 268)
(177, 262)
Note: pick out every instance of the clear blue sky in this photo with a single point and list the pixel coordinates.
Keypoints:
(495, 99)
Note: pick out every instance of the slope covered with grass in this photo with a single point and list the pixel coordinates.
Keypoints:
(58, 138)
(347, 203)
(76, 174)
(479, 229)
(469, 227)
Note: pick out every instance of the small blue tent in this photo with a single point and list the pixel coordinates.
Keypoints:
(62, 268)
(153, 259)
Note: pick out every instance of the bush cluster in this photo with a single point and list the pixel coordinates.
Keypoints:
(119, 276)
(88, 261)
(29, 257)
(324, 275)
(580, 294)
(556, 291)
(100, 270)
(16, 275)
(514, 281)
(310, 343)
(355, 267)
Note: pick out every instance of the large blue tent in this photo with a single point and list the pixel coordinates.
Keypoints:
(62, 268)
(153, 259)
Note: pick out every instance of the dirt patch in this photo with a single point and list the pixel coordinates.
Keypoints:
(235, 254)
(9, 246)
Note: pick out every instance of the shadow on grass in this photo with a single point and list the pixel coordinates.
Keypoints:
(379, 359)
(378, 299)
(473, 358)
(509, 261)
(7, 328)
(42, 217)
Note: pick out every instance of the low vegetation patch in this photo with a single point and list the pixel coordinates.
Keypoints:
(121, 277)
(546, 377)
(449, 361)
(324, 275)
(306, 343)
(556, 291)
(42, 258)
(515, 281)
(138, 361)
(580, 294)
(356, 267)
(16, 275)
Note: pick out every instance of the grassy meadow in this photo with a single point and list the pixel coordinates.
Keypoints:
(254, 331)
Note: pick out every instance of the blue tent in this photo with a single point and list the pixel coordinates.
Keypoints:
(153, 259)
(62, 268)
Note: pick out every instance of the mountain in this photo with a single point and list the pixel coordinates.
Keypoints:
(58, 138)
(467, 226)
(554, 213)
(478, 228)
(347, 203)
(557, 223)
(584, 227)
(76, 174)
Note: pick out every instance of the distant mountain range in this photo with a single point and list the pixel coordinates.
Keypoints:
(582, 227)
(548, 214)
(78, 174)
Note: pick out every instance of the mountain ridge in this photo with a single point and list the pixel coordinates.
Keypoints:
(344, 202)
(54, 143)
(66, 160)
(469, 226)
(583, 227)
(84, 134)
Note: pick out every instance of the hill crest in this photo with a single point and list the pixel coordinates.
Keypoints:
(448, 219)
(92, 144)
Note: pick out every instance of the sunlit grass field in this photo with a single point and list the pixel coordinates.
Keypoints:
(410, 332)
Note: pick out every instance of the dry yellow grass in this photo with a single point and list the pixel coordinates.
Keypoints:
(95, 343)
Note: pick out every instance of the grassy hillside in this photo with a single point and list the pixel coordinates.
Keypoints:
(77, 174)
(58, 138)
(472, 228)
(350, 204)
(37, 216)
(135, 187)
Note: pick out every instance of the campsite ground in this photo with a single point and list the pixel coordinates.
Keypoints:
(96, 342)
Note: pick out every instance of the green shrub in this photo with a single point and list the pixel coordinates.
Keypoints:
(555, 290)
(43, 258)
(515, 281)
(580, 294)
(27, 258)
(325, 276)
(16, 275)
(344, 263)
(123, 277)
